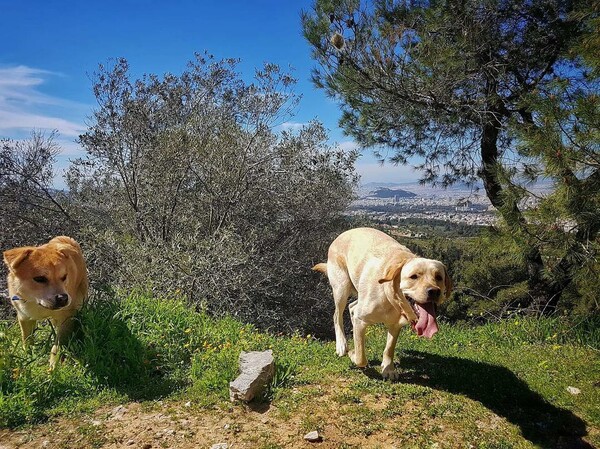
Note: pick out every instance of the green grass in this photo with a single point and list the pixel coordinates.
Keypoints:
(465, 379)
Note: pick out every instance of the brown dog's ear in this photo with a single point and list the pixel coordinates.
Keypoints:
(13, 257)
(449, 285)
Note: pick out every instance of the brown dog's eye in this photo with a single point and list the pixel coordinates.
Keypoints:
(414, 276)
(40, 279)
(64, 278)
(438, 277)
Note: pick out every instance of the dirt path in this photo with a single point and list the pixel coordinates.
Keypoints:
(175, 425)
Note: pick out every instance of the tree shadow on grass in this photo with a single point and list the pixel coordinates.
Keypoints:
(115, 357)
(502, 392)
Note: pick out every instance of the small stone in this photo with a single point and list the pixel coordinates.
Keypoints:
(573, 390)
(220, 446)
(96, 422)
(257, 368)
(45, 443)
(130, 442)
(188, 404)
(169, 432)
(226, 426)
(313, 437)
(118, 412)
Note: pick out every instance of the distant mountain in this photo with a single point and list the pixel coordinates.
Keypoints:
(384, 192)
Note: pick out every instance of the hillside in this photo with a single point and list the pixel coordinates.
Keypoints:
(391, 193)
(144, 373)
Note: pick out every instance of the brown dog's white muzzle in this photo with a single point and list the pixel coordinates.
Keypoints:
(55, 302)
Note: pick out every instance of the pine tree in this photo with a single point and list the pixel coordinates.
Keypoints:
(452, 85)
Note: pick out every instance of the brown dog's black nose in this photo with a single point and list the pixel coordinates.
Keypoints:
(61, 300)
(433, 293)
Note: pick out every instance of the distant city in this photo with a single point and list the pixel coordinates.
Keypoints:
(394, 204)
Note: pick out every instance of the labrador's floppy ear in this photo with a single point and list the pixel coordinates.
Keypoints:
(448, 281)
(13, 257)
(391, 279)
(394, 267)
(391, 273)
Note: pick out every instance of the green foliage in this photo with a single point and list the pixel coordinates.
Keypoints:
(31, 211)
(188, 187)
(491, 281)
(138, 348)
(499, 91)
(426, 78)
(516, 369)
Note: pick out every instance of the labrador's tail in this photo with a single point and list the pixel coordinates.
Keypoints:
(321, 267)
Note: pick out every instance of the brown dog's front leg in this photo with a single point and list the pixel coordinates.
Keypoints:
(27, 327)
(63, 331)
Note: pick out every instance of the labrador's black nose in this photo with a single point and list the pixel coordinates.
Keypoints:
(433, 293)
(61, 300)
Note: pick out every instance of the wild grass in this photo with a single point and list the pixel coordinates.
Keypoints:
(137, 348)
(143, 349)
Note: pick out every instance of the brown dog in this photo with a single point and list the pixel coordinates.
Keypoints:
(47, 281)
(393, 285)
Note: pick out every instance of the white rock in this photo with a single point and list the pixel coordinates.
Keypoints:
(219, 446)
(573, 390)
(256, 371)
(313, 436)
(188, 404)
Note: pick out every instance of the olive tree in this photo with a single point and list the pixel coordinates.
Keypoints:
(189, 186)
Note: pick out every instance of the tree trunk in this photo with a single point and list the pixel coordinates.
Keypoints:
(544, 294)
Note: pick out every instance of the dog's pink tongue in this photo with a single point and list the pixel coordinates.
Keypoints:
(426, 326)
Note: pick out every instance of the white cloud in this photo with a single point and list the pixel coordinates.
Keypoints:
(291, 126)
(24, 107)
(18, 120)
(348, 145)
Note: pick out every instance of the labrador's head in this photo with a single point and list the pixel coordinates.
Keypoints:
(425, 284)
(425, 280)
(41, 274)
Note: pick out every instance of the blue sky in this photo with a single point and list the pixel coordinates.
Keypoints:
(50, 49)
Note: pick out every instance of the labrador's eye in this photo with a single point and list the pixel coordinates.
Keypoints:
(64, 278)
(438, 277)
(41, 279)
(414, 276)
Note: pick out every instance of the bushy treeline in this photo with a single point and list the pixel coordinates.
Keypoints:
(498, 92)
(191, 185)
(491, 279)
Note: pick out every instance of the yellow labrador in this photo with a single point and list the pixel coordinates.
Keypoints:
(393, 285)
(47, 281)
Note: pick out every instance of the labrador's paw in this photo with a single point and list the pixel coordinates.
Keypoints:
(341, 348)
(359, 362)
(389, 372)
